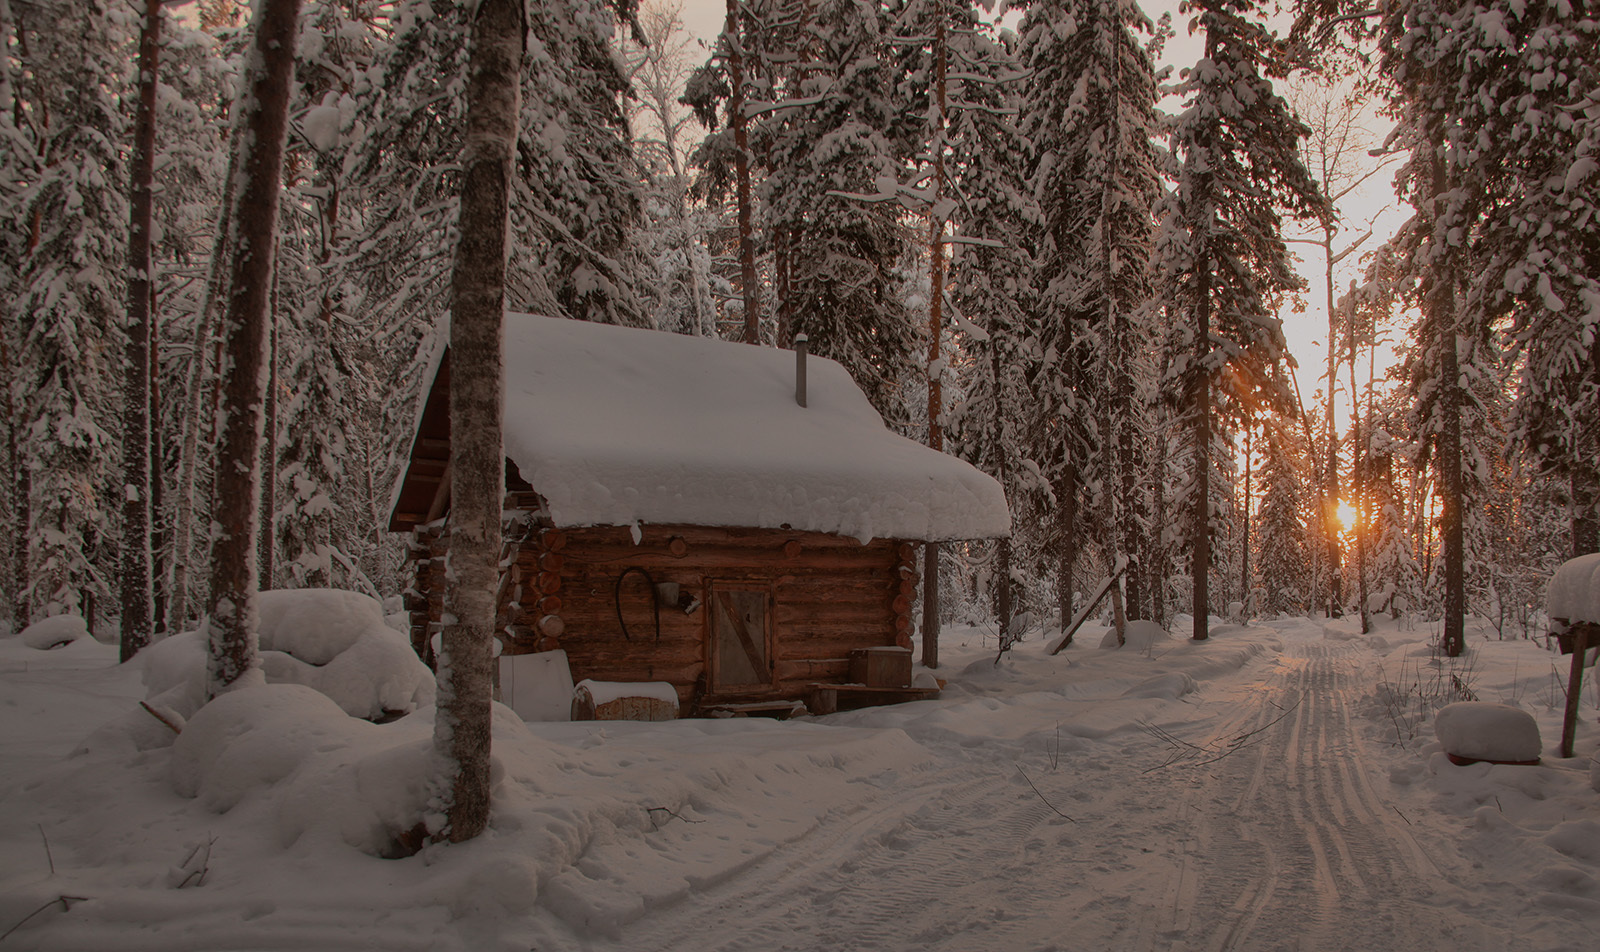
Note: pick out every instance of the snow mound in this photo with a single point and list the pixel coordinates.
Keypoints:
(1574, 592)
(1165, 686)
(294, 752)
(334, 642)
(55, 631)
(1478, 730)
(1140, 636)
(251, 739)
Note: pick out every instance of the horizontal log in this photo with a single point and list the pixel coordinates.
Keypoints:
(814, 669)
(553, 540)
(549, 605)
(600, 669)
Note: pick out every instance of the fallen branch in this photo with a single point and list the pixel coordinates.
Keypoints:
(1041, 796)
(654, 810)
(1185, 751)
(66, 904)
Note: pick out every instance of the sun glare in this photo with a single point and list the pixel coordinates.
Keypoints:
(1347, 515)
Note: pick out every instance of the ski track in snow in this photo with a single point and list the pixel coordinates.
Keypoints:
(1284, 843)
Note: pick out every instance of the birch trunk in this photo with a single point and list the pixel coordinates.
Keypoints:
(263, 121)
(461, 733)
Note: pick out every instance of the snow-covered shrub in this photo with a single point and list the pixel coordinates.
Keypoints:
(55, 631)
(293, 749)
(333, 641)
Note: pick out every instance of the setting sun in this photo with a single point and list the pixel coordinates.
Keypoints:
(1347, 515)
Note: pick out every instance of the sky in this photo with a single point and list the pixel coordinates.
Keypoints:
(1306, 332)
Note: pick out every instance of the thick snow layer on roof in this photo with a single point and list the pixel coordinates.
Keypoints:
(1575, 590)
(619, 426)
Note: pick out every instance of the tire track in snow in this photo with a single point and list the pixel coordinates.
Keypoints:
(1285, 843)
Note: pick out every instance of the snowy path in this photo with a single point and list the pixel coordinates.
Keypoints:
(1284, 843)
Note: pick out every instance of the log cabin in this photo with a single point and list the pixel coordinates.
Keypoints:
(736, 521)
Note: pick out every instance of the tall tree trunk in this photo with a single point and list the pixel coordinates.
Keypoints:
(1358, 483)
(741, 141)
(269, 450)
(1067, 547)
(1440, 306)
(1328, 489)
(1200, 404)
(19, 486)
(1451, 489)
(1246, 589)
(461, 733)
(930, 552)
(1585, 527)
(201, 384)
(138, 594)
(264, 119)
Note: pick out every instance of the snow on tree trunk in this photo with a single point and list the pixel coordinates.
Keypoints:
(200, 386)
(138, 594)
(263, 127)
(462, 726)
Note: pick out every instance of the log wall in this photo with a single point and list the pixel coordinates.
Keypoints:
(561, 590)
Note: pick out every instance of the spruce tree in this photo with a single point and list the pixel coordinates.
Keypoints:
(1237, 162)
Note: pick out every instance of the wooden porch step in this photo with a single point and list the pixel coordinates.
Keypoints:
(829, 698)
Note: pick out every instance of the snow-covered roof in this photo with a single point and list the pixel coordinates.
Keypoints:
(619, 426)
(1574, 594)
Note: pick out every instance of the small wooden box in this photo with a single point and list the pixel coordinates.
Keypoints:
(884, 667)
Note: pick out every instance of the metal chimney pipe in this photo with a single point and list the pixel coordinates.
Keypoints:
(802, 344)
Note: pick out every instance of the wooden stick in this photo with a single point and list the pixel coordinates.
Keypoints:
(1569, 724)
(1083, 615)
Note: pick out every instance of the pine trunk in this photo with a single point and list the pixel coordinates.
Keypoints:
(1200, 514)
(741, 141)
(200, 386)
(1067, 546)
(263, 118)
(462, 725)
(269, 453)
(1451, 489)
(930, 569)
(138, 594)
(1585, 528)
(1245, 588)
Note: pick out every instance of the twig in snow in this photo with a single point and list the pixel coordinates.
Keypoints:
(1041, 796)
(1185, 751)
(66, 904)
(47, 855)
(1402, 815)
(654, 810)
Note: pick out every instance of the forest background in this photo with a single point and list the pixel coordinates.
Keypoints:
(1032, 247)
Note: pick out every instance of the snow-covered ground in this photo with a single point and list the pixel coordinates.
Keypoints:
(1278, 787)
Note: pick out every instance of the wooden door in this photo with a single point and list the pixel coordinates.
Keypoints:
(740, 644)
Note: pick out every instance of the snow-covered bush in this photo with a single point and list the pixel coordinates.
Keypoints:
(55, 631)
(334, 642)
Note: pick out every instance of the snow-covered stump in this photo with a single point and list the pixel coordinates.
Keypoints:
(1573, 604)
(1470, 731)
